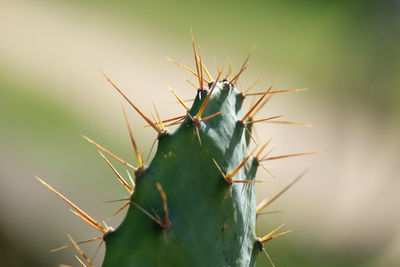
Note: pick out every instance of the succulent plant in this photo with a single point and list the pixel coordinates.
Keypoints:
(195, 203)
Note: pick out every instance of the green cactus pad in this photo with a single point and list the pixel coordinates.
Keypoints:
(212, 222)
(195, 204)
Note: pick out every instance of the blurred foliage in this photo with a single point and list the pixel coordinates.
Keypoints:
(345, 50)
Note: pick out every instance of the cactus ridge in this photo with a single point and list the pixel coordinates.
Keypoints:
(195, 203)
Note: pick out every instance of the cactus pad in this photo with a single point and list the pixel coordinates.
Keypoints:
(195, 203)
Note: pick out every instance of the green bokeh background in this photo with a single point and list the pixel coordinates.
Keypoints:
(346, 52)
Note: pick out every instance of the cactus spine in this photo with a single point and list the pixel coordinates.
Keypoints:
(195, 203)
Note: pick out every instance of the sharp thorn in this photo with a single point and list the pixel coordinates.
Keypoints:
(264, 120)
(119, 210)
(268, 236)
(195, 59)
(290, 122)
(255, 105)
(120, 178)
(87, 260)
(109, 153)
(211, 116)
(261, 106)
(185, 68)
(279, 91)
(203, 106)
(138, 158)
(89, 219)
(266, 202)
(292, 155)
(179, 99)
(80, 242)
(133, 105)
(262, 148)
(166, 223)
(251, 86)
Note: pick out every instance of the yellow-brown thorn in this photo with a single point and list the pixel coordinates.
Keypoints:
(145, 212)
(195, 59)
(278, 235)
(196, 126)
(80, 261)
(244, 65)
(156, 220)
(273, 234)
(109, 153)
(197, 118)
(120, 209)
(279, 91)
(262, 149)
(266, 238)
(83, 214)
(159, 118)
(198, 134)
(262, 239)
(267, 170)
(238, 75)
(80, 242)
(291, 155)
(251, 135)
(201, 69)
(116, 200)
(120, 178)
(228, 178)
(133, 105)
(231, 175)
(179, 99)
(268, 256)
(185, 68)
(251, 86)
(261, 106)
(247, 181)
(264, 120)
(172, 119)
(82, 218)
(166, 223)
(229, 74)
(154, 118)
(207, 73)
(87, 260)
(131, 179)
(224, 175)
(289, 122)
(203, 106)
(268, 153)
(211, 116)
(138, 157)
(255, 105)
(174, 123)
(267, 201)
(270, 212)
(97, 250)
(163, 131)
(192, 84)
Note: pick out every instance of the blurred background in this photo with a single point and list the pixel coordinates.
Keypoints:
(344, 212)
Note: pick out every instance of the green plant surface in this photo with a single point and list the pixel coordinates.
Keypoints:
(205, 212)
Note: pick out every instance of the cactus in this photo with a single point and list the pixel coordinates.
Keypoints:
(195, 203)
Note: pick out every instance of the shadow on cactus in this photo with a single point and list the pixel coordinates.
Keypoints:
(195, 203)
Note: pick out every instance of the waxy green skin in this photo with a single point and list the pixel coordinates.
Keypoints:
(212, 224)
